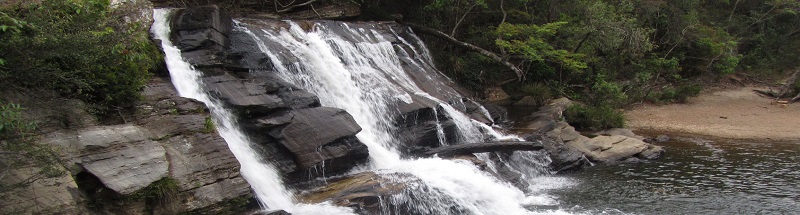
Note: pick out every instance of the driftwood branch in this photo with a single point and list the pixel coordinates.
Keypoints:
(786, 88)
(796, 98)
(484, 147)
(454, 41)
(292, 7)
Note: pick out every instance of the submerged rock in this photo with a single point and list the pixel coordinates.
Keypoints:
(365, 192)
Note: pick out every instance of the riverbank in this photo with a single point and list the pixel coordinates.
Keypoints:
(737, 113)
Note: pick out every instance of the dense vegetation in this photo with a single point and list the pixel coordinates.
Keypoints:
(605, 53)
(80, 48)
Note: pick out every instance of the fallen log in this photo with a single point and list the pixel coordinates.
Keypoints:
(454, 41)
(786, 88)
(483, 147)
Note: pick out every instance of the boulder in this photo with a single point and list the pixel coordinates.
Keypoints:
(496, 94)
(569, 149)
(620, 131)
(322, 134)
(610, 148)
(249, 97)
(527, 101)
(122, 157)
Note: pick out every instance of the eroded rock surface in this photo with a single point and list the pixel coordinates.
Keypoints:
(290, 128)
(569, 149)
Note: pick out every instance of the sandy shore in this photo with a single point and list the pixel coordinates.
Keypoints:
(729, 114)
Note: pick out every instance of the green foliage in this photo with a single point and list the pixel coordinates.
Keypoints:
(529, 41)
(679, 94)
(607, 93)
(80, 48)
(209, 126)
(539, 91)
(19, 150)
(594, 117)
(611, 53)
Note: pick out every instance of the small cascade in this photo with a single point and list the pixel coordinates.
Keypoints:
(372, 71)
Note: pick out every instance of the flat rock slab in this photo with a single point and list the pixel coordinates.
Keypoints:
(313, 130)
(123, 158)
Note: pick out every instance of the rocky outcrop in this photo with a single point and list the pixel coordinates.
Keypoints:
(165, 159)
(167, 140)
(419, 123)
(303, 139)
(569, 149)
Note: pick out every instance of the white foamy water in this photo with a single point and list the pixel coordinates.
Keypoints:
(360, 71)
(262, 177)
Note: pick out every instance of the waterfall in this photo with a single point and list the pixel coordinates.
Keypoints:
(369, 73)
(360, 70)
(262, 177)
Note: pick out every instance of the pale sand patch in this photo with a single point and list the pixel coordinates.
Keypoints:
(731, 114)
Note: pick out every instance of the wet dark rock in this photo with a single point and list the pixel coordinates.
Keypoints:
(202, 34)
(418, 125)
(425, 134)
(321, 134)
(245, 53)
(474, 110)
(499, 114)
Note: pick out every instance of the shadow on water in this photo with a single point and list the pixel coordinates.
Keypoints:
(696, 176)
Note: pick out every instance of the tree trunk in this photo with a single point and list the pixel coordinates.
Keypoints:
(484, 147)
(454, 41)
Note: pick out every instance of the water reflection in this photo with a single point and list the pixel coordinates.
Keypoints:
(695, 177)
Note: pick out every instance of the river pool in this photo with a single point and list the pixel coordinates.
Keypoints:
(695, 176)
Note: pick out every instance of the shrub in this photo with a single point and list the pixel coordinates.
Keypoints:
(680, 94)
(594, 117)
(19, 149)
(539, 91)
(80, 49)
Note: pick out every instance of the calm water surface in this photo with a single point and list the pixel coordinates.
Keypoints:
(695, 177)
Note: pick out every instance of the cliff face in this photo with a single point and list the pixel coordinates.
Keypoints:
(166, 158)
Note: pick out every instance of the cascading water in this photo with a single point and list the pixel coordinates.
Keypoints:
(365, 73)
(262, 177)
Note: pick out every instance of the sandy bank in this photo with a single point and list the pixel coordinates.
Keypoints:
(730, 114)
